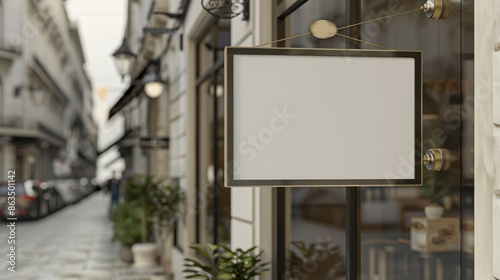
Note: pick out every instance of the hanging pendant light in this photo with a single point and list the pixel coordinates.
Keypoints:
(124, 58)
(153, 84)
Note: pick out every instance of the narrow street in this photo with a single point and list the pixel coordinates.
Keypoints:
(74, 243)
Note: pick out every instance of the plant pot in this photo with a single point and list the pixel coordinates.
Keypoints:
(447, 202)
(434, 211)
(126, 254)
(144, 255)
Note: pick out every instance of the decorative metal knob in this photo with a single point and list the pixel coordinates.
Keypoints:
(436, 9)
(437, 159)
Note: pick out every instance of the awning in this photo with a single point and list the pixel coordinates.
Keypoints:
(134, 90)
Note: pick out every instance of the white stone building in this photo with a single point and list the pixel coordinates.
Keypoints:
(46, 95)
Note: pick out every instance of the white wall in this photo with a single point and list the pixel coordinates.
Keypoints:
(12, 25)
(181, 76)
(181, 100)
(10, 71)
(484, 141)
(23, 28)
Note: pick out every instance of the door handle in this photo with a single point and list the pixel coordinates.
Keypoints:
(437, 159)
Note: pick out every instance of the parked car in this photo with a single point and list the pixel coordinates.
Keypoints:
(56, 202)
(72, 190)
(86, 187)
(33, 199)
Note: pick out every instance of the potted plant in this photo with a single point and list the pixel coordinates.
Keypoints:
(218, 262)
(317, 260)
(156, 199)
(126, 219)
(434, 189)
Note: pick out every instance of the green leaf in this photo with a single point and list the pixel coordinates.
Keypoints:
(196, 277)
(249, 250)
(212, 247)
(224, 276)
(442, 193)
(225, 263)
(427, 192)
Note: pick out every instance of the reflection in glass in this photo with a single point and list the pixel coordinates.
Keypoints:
(211, 176)
(214, 200)
(400, 237)
(317, 245)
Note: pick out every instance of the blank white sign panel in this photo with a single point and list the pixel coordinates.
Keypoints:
(316, 117)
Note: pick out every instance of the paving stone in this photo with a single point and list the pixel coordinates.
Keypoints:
(72, 244)
(98, 274)
(19, 278)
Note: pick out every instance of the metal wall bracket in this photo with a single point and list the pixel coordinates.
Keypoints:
(227, 8)
(436, 9)
(169, 15)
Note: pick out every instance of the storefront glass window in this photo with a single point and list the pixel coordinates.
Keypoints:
(396, 239)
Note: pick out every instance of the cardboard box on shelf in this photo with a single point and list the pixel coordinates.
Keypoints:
(435, 235)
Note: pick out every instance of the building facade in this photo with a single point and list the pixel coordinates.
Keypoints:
(46, 122)
(457, 116)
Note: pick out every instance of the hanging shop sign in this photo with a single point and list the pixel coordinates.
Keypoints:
(322, 117)
(155, 142)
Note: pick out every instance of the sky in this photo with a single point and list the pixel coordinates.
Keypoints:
(101, 26)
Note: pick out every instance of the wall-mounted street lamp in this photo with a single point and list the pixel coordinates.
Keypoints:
(38, 93)
(124, 58)
(153, 84)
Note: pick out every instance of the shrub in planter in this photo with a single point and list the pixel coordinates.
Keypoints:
(220, 262)
(126, 219)
(156, 199)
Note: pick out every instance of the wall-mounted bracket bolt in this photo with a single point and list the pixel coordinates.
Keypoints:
(437, 159)
(435, 9)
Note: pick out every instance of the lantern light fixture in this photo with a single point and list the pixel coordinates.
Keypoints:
(153, 84)
(124, 58)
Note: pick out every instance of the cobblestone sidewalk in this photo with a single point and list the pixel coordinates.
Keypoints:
(72, 244)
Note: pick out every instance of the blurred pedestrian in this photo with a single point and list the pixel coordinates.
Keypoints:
(113, 188)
